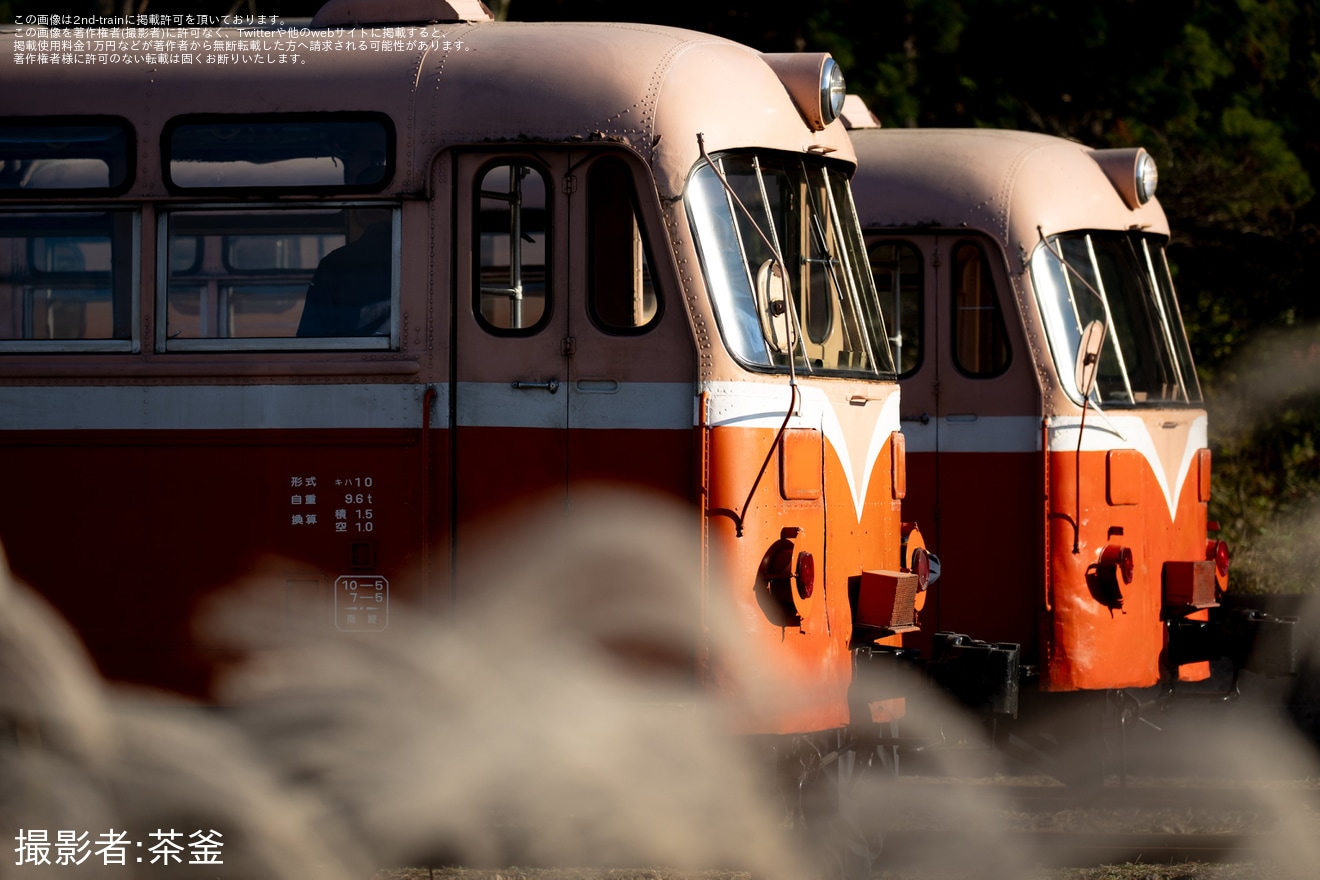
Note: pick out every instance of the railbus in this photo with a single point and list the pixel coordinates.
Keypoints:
(1056, 431)
(347, 309)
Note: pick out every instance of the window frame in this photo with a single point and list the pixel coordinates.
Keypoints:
(547, 313)
(850, 258)
(1166, 331)
(872, 243)
(131, 345)
(340, 190)
(130, 159)
(383, 342)
(957, 242)
(643, 231)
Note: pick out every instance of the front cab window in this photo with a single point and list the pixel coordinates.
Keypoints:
(1121, 281)
(784, 261)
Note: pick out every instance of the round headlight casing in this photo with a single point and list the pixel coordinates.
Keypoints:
(1147, 176)
(1132, 172)
(814, 82)
(832, 91)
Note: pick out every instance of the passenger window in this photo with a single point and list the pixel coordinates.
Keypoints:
(621, 291)
(980, 342)
(896, 267)
(79, 156)
(323, 152)
(262, 275)
(512, 249)
(66, 279)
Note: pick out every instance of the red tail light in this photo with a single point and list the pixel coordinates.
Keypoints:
(806, 575)
(1120, 559)
(921, 567)
(1218, 551)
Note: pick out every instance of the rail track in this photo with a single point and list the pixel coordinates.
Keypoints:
(998, 827)
(1075, 849)
(933, 852)
(1140, 796)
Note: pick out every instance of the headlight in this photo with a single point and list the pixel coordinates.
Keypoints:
(1147, 176)
(815, 83)
(833, 91)
(1132, 172)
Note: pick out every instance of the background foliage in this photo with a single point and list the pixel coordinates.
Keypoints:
(1224, 93)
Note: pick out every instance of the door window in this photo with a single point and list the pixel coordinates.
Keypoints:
(896, 267)
(512, 250)
(980, 342)
(622, 295)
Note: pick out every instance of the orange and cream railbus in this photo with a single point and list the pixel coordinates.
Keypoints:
(1055, 428)
(348, 308)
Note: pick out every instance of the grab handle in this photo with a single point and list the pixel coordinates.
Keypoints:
(551, 385)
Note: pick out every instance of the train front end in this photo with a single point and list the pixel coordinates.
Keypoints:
(1127, 465)
(1056, 428)
(801, 462)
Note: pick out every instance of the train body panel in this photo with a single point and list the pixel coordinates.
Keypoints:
(1151, 500)
(821, 487)
(995, 252)
(140, 506)
(331, 330)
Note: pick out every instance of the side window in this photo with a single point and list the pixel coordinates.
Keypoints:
(78, 156)
(279, 153)
(621, 292)
(980, 342)
(896, 267)
(263, 277)
(512, 250)
(67, 279)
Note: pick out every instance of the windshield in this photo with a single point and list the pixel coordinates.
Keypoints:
(783, 258)
(1122, 280)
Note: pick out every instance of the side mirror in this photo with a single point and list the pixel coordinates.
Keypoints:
(1088, 357)
(771, 305)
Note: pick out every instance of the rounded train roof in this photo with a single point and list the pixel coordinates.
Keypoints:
(649, 87)
(1012, 185)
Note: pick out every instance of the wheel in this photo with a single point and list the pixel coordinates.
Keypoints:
(819, 776)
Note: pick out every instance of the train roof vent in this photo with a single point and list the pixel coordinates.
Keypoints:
(856, 114)
(350, 13)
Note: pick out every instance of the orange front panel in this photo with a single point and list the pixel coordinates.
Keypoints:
(803, 683)
(807, 669)
(800, 459)
(1096, 639)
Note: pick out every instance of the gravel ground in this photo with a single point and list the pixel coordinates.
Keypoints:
(1185, 871)
(927, 802)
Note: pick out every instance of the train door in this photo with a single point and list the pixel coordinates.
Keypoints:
(511, 330)
(569, 368)
(970, 419)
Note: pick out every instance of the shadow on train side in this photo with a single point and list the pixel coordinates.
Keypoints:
(554, 721)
